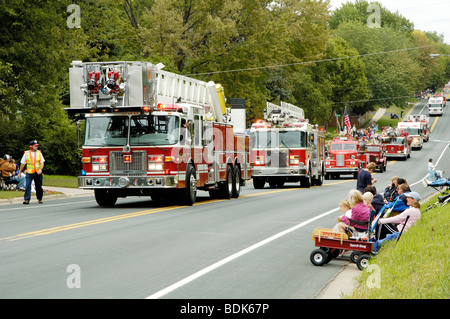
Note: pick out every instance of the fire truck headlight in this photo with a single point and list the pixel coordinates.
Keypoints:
(259, 160)
(293, 160)
(155, 166)
(99, 167)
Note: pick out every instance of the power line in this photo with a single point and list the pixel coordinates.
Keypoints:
(310, 62)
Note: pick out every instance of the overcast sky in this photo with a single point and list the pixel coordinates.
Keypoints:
(432, 15)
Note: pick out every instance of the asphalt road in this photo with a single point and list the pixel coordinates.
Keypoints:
(256, 246)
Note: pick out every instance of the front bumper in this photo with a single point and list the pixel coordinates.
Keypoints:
(124, 182)
(342, 170)
(278, 171)
(400, 155)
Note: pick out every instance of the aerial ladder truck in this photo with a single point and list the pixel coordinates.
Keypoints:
(150, 132)
(285, 147)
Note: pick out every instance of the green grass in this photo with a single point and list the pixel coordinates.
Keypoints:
(60, 181)
(49, 180)
(417, 266)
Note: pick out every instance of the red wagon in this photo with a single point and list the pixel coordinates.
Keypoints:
(332, 244)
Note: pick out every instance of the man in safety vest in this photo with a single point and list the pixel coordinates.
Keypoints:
(33, 163)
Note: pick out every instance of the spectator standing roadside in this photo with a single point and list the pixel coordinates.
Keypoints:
(33, 161)
(365, 177)
(431, 169)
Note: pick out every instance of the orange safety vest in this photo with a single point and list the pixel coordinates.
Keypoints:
(33, 164)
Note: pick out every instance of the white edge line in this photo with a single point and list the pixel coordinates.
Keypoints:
(224, 261)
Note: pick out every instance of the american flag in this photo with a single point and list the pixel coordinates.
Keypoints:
(347, 121)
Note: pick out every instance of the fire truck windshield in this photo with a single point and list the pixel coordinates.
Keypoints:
(371, 148)
(412, 131)
(139, 130)
(279, 139)
(343, 146)
(393, 140)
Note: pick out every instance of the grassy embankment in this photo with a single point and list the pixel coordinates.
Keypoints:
(415, 267)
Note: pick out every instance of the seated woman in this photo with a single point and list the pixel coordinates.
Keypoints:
(406, 219)
(360, 214)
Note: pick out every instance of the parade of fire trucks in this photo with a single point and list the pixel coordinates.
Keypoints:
(150, 132)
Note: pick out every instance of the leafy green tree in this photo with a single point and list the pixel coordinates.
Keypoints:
(358, 11)
(391, 76)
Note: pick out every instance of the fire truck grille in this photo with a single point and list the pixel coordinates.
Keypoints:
(277, 159)
(340, 160)
(136, 168)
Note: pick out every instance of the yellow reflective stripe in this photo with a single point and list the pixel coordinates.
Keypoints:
(33, 166)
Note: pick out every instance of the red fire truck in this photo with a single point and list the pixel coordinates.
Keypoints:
(344, 157)
(424, 124)
(377, 155)
(286, 148)
(396, 146)
(414, 131)
(150, 132)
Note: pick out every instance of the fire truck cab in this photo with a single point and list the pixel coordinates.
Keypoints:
(397, 146)
(436, 106)
(377, 155)
(154, 133)
(414, 131)
(344, 157)
(293, 151)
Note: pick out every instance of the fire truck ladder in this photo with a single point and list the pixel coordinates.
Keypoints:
(283, 114)
(125, 84)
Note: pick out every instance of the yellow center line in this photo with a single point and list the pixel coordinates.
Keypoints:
(57, 229)
(434, 124)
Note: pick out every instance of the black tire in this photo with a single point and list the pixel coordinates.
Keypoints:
(236, 190)
(354, 256)
(306, 181)
(258, 183)
(363, 261)
(105, 197)
(318, 257)
(318, 181)
(189, 193)
(226, 188)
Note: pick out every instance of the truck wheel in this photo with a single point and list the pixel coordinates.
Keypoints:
(319, 180)
(318, 257)
(258, 183)
(236, 182)
(105, 198)
(189, 194)
(306, 181)
(226, 188)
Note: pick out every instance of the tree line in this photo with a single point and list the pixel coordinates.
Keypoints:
(297, 51)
